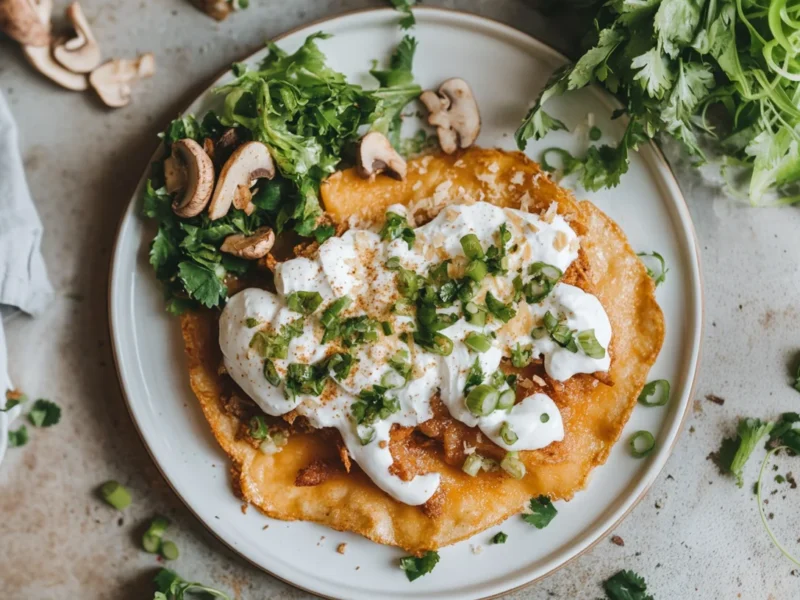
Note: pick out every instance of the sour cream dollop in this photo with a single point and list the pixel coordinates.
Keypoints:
(355, 265)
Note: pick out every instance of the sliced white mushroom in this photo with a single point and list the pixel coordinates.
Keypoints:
(249, 162)
(251, 247)
(42, 60)
(80, 54)
(191, 170)
(376, 155)
(112, 80)
(454, 112)
(217, 9)
(27, 21)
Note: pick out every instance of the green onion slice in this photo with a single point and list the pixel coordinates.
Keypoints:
(472, 464)
(472, 246)
(512, 465)
(169, 550)
(151, 540)
(478, 342)
(476, 270)
(658, 389)
(258, 428)
(506, 400)
(482, 400)
(271, 373)
(115, 494)
(589, 344)
(642, 443)
(507, 434)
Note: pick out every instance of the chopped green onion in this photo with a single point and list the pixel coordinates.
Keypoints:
(512, 465)
(499, 538)
(392, 379)
(589, 344)
(477, 342)
(521, 356)
(115, 494)
(271, 373)
(544, 418)
(595, 134)
(399, 361)
(548, 272)
(304, 303)
(476, 270)
(340, 363)
(482, 400)
(507, 434)
(387, 328)
(475, 314)
(396, 226)
(408, 283)
(659, 389)
(538, 333)
(559, 332)
(393, 263)
(504, 312)
(274, 443)
(169, 550)
(544, 278)
(497, 379)
(472, 464)
(471, 308)
(251, 322)
(367, 436)
(467, 290)
(404, 307)
(642, 443)
(474, 376)
(258, 428)
(151, 540)
(506, 399)
(471, 246)
(436, 343)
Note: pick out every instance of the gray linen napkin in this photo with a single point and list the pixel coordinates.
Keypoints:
(23, 278)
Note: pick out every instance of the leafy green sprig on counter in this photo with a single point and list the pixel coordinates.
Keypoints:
(722, 77)
(309, 116)
(171, 586)
(626, 585)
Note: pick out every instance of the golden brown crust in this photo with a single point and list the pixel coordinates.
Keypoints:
(593, 413)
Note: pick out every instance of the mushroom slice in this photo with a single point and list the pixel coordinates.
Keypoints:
(216, 9)
(376, 155)
(190, 164)
(251, 247)
(80, 54)
(42, 60)
(249, 162)
(27, 21)
(454, 112)
(112, 80)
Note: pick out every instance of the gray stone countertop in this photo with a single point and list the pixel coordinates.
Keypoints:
(695, 535)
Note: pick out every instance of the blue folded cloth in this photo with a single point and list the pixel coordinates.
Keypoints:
(23, 279)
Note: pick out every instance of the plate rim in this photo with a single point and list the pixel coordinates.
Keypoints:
(697, 305)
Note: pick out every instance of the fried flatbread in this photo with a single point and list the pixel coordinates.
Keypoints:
(593, 412)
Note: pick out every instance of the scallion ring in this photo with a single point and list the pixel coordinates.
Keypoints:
(506, 399)
(642, 443)
(115, 494)
(471, 246)
(151, 540)
(472, 464)
(482, 400)
(477, 342)
(512, 465)
(658, 390)
(507, 434)
(476, 270)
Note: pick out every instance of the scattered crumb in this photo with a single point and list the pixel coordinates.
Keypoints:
(476, 548)
(615, 539)
(357, 568)
(790, 478)
(244, 508)
(715, 399)
(659, 504)
(341, 548)
(265, 527)
(691, 429)
(539, 381)
(322, 539)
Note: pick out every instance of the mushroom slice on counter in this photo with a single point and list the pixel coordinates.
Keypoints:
(454, 112)
(189, 168)
(251, 247)
(42, 60)
(249, 162)
(376, 155)
(216, 9)
(112, 80)
(79, 54)
(27, 21)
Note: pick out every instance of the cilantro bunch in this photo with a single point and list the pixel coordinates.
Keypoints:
(721, 76)
(310, 117)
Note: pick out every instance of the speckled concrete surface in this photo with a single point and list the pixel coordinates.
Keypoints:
(696, 535)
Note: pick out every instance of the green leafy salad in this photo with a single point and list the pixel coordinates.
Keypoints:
(310, 117)
(721, 76)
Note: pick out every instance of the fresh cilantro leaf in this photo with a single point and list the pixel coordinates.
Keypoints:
(499, 538)
(44, 413)
(654, 72)
(18, 437)
(202, 283)
(542, 512)
(404, 7)
(749, 432)
(626, 585)
(592, 65)
(676, 22)
(658, 274)
(417, 566)
(397, 89)
(537, 123)
(786, 432)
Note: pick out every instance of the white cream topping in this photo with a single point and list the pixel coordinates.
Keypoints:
(355, 265)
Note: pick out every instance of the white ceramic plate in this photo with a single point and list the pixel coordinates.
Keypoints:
(505, 68)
